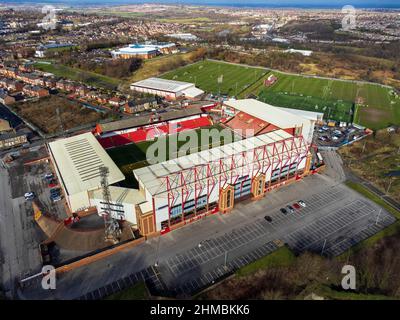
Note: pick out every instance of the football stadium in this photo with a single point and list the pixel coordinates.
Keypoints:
(274, 149)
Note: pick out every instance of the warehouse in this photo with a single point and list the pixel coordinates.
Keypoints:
(77, 161)
(169, 89)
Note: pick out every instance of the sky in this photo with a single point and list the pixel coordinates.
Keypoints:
(238, 3)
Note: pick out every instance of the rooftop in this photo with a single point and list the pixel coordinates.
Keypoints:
(163, 84)
(78, 160)
(271, 114)
(120, 195)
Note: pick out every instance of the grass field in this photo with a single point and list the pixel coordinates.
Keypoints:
(332, 109)
(90, 78)
(217, 77)
(279, 258)
(333, 97)
(379, 109)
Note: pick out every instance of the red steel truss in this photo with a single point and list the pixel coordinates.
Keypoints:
(193, 181)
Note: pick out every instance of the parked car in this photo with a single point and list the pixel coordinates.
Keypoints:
(296, 206)
(291, 210)
(302, 203)
(54, 192)
(283, 210)
(268, 218)
(55, 199)
(29, 195)
(48, 176)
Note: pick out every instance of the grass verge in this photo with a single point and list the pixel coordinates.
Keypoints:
(87, 77)
(280, 258)
(136, 292)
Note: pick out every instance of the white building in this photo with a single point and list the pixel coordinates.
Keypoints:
(144, 51)
(183, 36)
(170, 89)
(305, 53)
(123, 202)
(77, 161)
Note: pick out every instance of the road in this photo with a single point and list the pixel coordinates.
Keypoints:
(335, 215)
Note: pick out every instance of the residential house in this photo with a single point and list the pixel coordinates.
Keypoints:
(35, 91)
(6, 99)
(12, 139)
(138, 105)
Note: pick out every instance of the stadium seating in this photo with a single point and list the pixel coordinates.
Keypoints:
(151, 132)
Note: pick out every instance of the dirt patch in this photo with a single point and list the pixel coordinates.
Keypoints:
(43, 113)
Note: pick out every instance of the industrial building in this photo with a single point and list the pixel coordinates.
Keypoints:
(144, 51)
(169, 89)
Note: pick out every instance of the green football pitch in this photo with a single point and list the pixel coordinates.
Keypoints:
(379, 108)
(217, 78)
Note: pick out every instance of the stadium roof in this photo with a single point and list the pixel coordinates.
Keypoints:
(163, 84)
(152, 176)
(311, 115)
(143, 120)
(120, 195)
(266, 112)
(192, 92)
(78, 160)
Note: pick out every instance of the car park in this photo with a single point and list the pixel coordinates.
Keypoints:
(283, 210)
(302, 203)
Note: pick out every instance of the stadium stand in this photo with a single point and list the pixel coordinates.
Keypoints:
(115, 138)
(247, 125)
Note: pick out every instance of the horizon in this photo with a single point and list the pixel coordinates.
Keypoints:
(285, 4)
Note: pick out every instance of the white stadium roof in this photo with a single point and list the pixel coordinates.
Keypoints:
(120, 195)
(163, 84)
(78, 160)
(271, 114)
(310, 115)
(152, 176)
